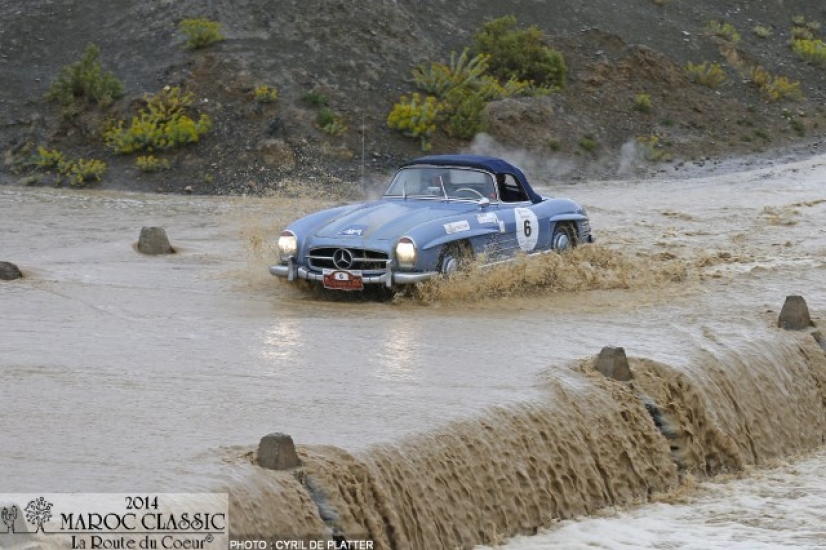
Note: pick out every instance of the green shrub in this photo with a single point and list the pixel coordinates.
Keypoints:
(316, 99)
(162, 124)
(325, 117)
(85, 79)
(464, 113)
(438, 79)
(762, 31)
(265, 94)
(726, 31)
(330, 122)
(651, 149)
(642, 103)
(82, 171)
(798, 20)
(47, 159)
(148, 163)
(775, 88)
(588, 143)
(812, 51)
(79, 171)
(763, 134)
(415, 117)
(519, 54)
(200, 32)
(710, 75)
(801, 33)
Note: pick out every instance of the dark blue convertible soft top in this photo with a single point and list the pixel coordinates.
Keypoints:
(497, 166)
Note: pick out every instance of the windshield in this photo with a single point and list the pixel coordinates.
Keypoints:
(440, 182)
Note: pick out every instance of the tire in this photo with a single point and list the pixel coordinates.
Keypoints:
(564, 237)
(455, 257)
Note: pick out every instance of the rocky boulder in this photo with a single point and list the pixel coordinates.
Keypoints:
(9, 271)
(153, 240)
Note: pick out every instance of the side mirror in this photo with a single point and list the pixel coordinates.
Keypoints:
(484, 202)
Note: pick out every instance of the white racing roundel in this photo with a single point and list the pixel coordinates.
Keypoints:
(527, 228)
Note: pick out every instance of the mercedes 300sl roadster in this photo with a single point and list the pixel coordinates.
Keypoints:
(438, 213)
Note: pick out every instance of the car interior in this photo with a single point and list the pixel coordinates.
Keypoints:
(509, 189)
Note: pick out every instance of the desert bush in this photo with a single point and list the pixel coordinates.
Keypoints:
(85, 79)
(200, 32)
(149, 163)
(642, 103)
(763, 134)
(812, 51)
(775, 88)
(797, 126)
(47, 159)
(471, 74)
(330, 122)
(265, 94)
(162, 124)
(464, 113)
(415, 117)
(463, 71)
(762, 31)
(710, 75)
(588, 143)
(82, 171)
(519, 53)
(650, 148)
(316, 99)
(801, 33)
(798, 20)
(723, 30)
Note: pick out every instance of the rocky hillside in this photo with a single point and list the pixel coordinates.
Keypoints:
(359, 56)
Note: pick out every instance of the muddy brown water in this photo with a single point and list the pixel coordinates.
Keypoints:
(463, 415)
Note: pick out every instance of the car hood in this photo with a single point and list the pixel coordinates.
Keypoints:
(390, 219)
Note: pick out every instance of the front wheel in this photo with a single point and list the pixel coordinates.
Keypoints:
(455, 257)
(563, 237)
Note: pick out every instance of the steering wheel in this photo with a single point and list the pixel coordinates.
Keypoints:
(474, 191)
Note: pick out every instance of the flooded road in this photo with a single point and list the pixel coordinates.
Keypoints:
(123, 372)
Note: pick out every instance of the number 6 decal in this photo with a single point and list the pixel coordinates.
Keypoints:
(526, 226)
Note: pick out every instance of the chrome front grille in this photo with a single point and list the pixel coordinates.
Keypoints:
(347, 258)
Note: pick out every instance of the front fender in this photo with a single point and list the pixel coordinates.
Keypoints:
(463, 236)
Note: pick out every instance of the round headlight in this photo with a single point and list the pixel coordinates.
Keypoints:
(287, 245)
(406, 253)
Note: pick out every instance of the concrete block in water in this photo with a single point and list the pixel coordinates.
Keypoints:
(795, 314)
(153, 240)
(9, 271)
(613, 363)
(276, 451)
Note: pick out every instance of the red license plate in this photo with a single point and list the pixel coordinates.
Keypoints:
(343, 280)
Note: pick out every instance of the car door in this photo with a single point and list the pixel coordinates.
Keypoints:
(524, 227)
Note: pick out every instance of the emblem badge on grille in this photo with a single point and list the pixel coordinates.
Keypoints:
(343, 258)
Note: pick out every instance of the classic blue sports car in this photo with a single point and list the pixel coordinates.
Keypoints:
(438, 212)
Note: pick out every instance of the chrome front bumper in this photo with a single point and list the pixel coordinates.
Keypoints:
(291, 272)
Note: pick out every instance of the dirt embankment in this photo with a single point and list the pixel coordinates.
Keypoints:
(360, 57)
